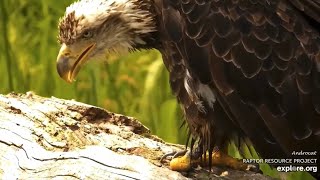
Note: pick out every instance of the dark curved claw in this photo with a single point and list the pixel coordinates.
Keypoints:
(254, 168)
(173, 155)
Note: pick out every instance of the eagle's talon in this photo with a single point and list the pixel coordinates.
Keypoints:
(173, 155)
(254, 168)
(165, 156)
(180, 153)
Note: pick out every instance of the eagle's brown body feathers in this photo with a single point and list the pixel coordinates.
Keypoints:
(260, 58)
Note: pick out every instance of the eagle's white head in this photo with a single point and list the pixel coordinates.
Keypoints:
(91, 29)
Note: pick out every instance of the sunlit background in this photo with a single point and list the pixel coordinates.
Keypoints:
(135, 85)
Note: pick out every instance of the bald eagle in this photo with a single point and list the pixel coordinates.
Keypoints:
(244, 71)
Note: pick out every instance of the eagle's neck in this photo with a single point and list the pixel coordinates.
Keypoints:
(151, 38)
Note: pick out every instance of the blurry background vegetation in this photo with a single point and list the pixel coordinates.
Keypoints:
(135, 85)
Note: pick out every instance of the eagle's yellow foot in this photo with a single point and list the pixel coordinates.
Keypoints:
(181, 160)
(181, 163)
(222, 159)
(184, 163)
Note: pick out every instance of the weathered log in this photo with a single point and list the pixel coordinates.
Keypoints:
(55, 138)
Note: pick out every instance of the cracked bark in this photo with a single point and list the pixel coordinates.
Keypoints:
(55, 138)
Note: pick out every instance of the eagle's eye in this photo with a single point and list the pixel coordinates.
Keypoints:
(87, 34)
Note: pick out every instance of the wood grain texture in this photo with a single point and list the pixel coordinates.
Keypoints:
(63, 139)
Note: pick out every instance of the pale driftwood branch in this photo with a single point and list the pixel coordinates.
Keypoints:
(64, 139)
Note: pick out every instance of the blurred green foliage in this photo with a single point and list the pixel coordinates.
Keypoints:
(135, 85)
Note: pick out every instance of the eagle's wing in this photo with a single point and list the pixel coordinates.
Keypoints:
(263, 57)
(310, 8)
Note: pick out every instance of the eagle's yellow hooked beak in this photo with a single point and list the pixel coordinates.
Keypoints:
(70, 61)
